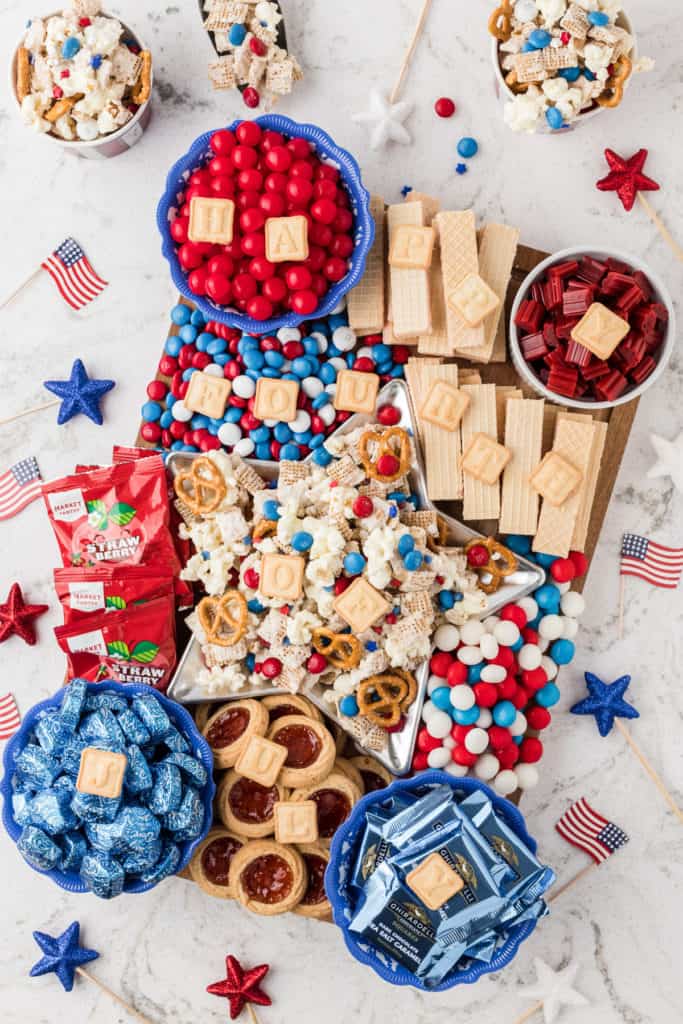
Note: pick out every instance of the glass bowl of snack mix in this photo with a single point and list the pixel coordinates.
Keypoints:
(82, 78)
(559, 62)
(591, 328)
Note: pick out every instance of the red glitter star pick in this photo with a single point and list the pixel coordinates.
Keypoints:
(241, 987)
(626, 177)
(16, 616)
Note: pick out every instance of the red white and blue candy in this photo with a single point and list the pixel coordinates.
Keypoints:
(312, 355)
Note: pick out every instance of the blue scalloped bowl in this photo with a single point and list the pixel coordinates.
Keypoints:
(181, 718)
(343, 858)
(327, 150)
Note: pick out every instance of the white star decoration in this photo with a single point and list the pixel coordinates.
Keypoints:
(553, 989)
(386, 119)
(669, 459)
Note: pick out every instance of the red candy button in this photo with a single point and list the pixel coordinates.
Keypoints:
(444, 107)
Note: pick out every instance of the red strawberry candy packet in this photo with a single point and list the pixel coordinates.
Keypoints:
(135, 645)
(83, 591)
(116, 514)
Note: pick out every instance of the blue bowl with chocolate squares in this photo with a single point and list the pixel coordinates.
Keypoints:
(108, 788)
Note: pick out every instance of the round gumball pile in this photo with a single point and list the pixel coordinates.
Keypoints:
(492, 682)
(311, 355)
(267, 176)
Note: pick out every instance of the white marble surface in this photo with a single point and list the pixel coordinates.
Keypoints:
(163, 949)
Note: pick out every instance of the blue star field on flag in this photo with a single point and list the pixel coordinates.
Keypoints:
(63, 955)
(605, 702)
(79, 394)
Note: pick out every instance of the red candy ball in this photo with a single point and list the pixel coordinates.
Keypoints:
(478, 555)
(420, 762)
(324, 211)
(151, 432)
(362, 506)
(459, 732)
(222, 142)
(388, 415)
(425, 742)
(248, 133)
(387, 465)
(535, 678)
(444, 107)
(304, 302)
(530, 750)
(460, 755)
(259, 308)
(508, 756)
(580, 562)
(486, 694)
(499, 737)
(457, 673)
(317, 663)
(297, 278)
(335, 268)
(563, 570)
(538, 717)
(440, 663)
(271, 668)
(219, 289)
(251, 97)
(513, 613)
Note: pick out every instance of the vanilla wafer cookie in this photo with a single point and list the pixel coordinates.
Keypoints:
(574, 443)
(469, 377)
(366, 301)
(497, 250)
(550, 414)
(430, 205)
(481, 500)
(459, 257)
(414, 381)
(436, 342)
(523, 438)
(590, 483)
(389, 338)
(442, 448)
(502, 395)
(409, 289)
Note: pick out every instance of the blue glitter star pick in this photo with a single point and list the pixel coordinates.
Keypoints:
(79, 393)
(605, 702)
(62, 955)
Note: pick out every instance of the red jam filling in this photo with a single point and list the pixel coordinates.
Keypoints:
(268, 879)
(372, 782)
(315, 893)
(333, 810)
(303, 745)
(251, 802)
(228, 728)
(216, 859)
(281, 711)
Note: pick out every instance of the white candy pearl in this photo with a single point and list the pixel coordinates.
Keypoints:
(181, 413)
(213, 370)
(550, 627)
(564, 588)
(428, 709)
(270, 423)
(572, 603)
(570, 627)
(344, 338)
(529, 657)
(527, 776)
(447, 637)
(487, 767)
(462, 698)
(243, 386)
(488, 645)
(364, 352)
(300, 423)
(286, 334)
(459, 770)
(526, 10)
(476, 741)
(229, 433)
(472, 632)
(491, 623)
(550, 667)
(312, 386)
(320, 340)
(438, 758)
(448, 742)
(341, 305)
(327, 414)
(244, 447)
(439, 725)
(543, 645)
(519, 726)
(506, 633)
(433, 683)
(485, 718)
(339, 364)
(469, 655)
(493, 674)
(505, 782)
(529, 607)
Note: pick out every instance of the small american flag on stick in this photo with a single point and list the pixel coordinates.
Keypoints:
(71, 271)
(585, 828)
(19, 486)
(10, 719)
(655, 563)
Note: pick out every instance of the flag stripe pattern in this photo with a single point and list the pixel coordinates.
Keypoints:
(585, 828)
(19, 486)
(72, 272)
(10, 719)
(652, 562)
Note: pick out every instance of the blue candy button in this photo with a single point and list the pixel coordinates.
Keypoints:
(70, 47)
(554, 118)
(468, 147)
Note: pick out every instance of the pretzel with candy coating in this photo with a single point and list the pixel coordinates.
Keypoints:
(381, 698)
(383, 441)
(264, 528)
(616, 82)
(435, 544)
(207, 488)
(341, 649)
(500, 22)
(496, 567)
(223, 619)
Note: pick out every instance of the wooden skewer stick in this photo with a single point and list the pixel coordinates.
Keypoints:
(572, 881)
(661, 227)
(113, 995)
(29, 412)
(410, 53)
(528, 1014)
(20, 287)
(622, 594)
(649, 770)
(253, 1014)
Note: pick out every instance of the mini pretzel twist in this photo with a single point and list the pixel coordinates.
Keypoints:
(381, 698)
(500, 22)
(264, 528)
(341, 649)
(383, 441)
(497, 567)
(435, 544)
(514, 84)
(614, 85)
(202, 487)
(223, 619)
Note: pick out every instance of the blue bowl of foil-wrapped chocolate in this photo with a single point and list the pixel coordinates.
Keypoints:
(434, 881)
(108, 788)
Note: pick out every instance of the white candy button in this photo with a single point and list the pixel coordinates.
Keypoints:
(564, 588)
(476, 741)
(286, 334)
(439, 725)
(462, 698)
(459, 770)
(439, 758)
(488, 645)
(428, 709)
(300, 423)
(518, 727)
(529, 657)
(469, 655)
(493, 674)
(244, 447)
(570, 627)
(228, 433)
(327, 414)
(213, 370)
(487, 767)
(320, 340)
(448, 742)
(527, 776)
(485, 718)
(529, 607)
(505, 782)
(312, 387)
(344, 338)
(550, 667)
(506, 633)
(550, 627)
(447, 637)
(572, 604)
(433, 683)
(472, 632)
(181, 413)
(491, 623)
(243, 386)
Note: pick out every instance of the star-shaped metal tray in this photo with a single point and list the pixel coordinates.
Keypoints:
(398, 753)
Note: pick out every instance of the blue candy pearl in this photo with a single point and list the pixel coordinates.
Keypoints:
(197, 319)
(251, 661)
(354, 563)
(570, 74)
(590, 75)
(259, 435)
(151, 412)
(200, 422)
(328, 375)
(539, 39)
(504, 713)
(181, 314)
(446, 599)
(519, 544)
(166, 419)
(316, 441)
(173, 345)
(188, 333)
(236, 35)
(598, 18)
(215, 345)
(232, 415)
(441, 697)
(554, 118)
(468, 147)
(282, 433)
(302, 541)
(348, 706)
(271, 510)
(70, 47)
(253, 359)
(547, 597)
(275, 359)
(321, 400)
(474, 672)
(413, 561)
(290, 453)
(321, 457)
(548, 695)
(255, 606)
(262, 451)
(562, 651)
(405, 545)
(301, 366)
(468, 717)
(545, 560)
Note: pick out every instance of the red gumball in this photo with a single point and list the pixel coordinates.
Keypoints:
(274, 290)
(463, 757)
(223, 187)
(513, 613)
(325, 190)
(324, 211)
(254, 244)
(580, 562)
(440, 663)
(244, 158)
(343, 221)
(316, 258)
(299, 190)
(275, 183)
(272, 204)
(219, 289)
(251, 97)
(328, 172)
(304, 302)
(486, 694)
(244, 287)
(530, 750)
(499, 737)
(197, 281)
(321, 234)
(388, 415)
(335, 269)
(478, 556)
(508, 756)
(362, 506)
(261, 268)
(387, 465)
(270, 139)
(250, 180)
(299, 148)
(341, 246)
(538, 718)
(222, 142)
(563, 570)
(278, 159)
(259, 308)
(178, 229)
(189, 256)
(444, 107)
(221, 264)
(297, 278)
(248, 133)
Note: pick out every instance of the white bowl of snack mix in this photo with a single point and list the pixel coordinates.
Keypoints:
(559, 62)
(82, 78)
